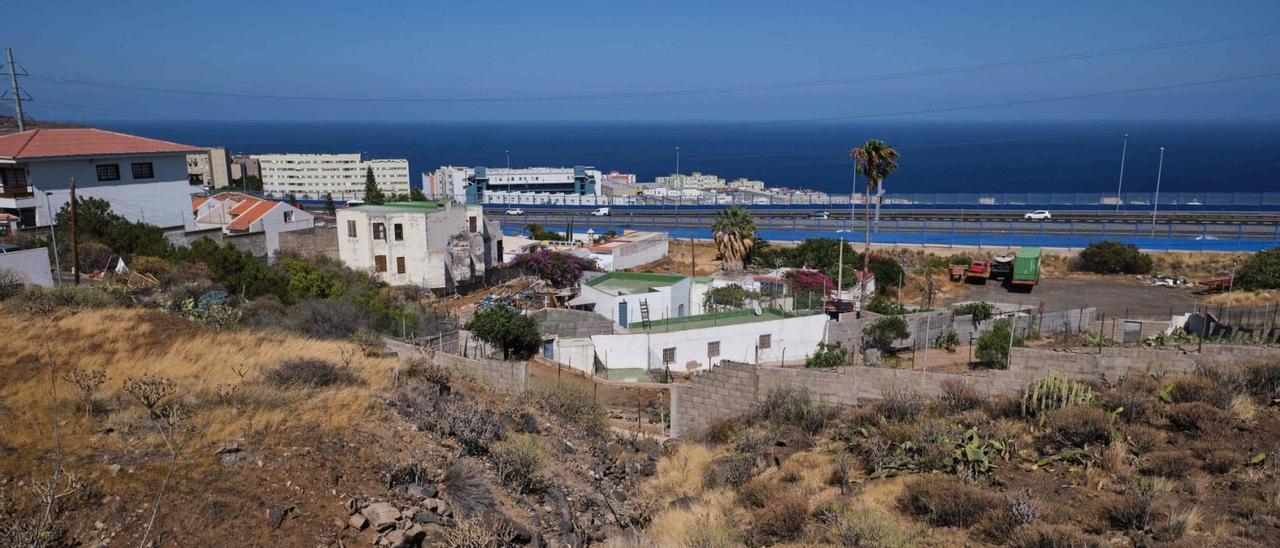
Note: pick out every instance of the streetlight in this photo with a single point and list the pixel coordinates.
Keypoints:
(1155, 204)
(57, 263)
(680, 194)
(1124, 149)
(508, 159)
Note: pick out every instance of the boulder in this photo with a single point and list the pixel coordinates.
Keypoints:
(649, 447)
(358, 522)
(422, 491)
(381, 515)
(275, 516)
(529, 423)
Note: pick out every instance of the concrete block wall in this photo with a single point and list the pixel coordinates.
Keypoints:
(729, 390)
(503, 376)
(319, 241)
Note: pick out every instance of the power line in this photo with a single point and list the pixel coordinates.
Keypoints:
(14, 72)
(682, 92)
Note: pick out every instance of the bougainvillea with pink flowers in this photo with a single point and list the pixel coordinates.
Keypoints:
(556, 267)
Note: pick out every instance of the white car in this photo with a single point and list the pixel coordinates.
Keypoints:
(515, 211)
(1040, 215)
(600, 212)
(820, 215)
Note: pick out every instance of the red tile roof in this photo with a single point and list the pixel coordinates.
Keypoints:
(197, 202)
(54, 143)
(257, 211)
(243, 206)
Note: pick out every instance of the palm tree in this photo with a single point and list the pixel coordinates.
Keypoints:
(876, 160)
(734, 231)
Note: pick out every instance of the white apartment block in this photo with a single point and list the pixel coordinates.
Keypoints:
(706, 181)
(472, 185)
(428, 244)
(311, 176)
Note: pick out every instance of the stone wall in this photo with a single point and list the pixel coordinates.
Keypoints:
(320, 241)
(502, 376)
(731, 389)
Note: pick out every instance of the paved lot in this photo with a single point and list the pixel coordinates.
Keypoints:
(1115, 297)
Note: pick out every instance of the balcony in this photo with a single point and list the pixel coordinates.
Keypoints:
(17, 191)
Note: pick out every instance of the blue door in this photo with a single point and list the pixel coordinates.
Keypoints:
(622, 313)
(549, 348)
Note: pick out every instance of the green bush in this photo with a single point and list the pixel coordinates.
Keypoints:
(828, 355)
(978, 311)
(882, 333)
(1260, 271)
(1114, 258)
(519, 460)
(993, 346)
(506, 328)
(732, 296)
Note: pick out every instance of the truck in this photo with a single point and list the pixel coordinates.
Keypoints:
(978, 271)
(1026, 268)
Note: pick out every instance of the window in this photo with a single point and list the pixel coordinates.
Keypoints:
(108, 172)
(143, 170)
(399, 265)
(380, 263)
(668, 355)
(713, 349)
(288, 216)
(472, 222)
(351, 229)
(399, 230)
(379, 231)
(766, 341)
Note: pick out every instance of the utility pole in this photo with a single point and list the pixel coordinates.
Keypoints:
(75, 235)
(1124, 150)
(53, 235)
(14, 73)
(1155, 204)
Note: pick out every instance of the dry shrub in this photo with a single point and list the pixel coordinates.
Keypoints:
(1243, 409)
(1079, 425)
(472, 533)
(1115, 459)
(756, 493)
(680, 474)
(1132, 510)
(865, 526)
(1263, 379)
(1222, 461)
(1004, 407)
(782, 519)
(1194, 416)
(722, 430)
(946, 502)
(1044, 535)
(519, 459)
(999, 523)
(958, 395)
(1168, 463)
(729, 470)
(464, 486)
(309, 373)
(792, 407)
(576, 406)
(1193, 388)
(1145, 439)
(900, 402)
(428, 371)
(1134, 394)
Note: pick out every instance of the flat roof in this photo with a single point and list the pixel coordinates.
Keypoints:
(629, 283)
(402, 207)
(1029, 252)
(733, 317)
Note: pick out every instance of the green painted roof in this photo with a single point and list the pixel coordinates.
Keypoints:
(629, 283)
(403, 207)
(732, 317)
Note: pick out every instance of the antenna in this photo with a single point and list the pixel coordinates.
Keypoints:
(14, 72)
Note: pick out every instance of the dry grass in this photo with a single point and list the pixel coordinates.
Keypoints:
(207, 367)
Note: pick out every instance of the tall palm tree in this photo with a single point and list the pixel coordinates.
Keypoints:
(735, 231)
(876, 160)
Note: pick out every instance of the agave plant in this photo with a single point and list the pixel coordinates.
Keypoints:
(734, 231)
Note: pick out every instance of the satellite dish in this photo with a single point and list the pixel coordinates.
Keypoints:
(755, 307)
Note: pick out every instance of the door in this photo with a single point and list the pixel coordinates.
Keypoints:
(622, 313)
(549, 349)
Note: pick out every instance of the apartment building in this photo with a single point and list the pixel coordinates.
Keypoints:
(211, 168)
(436, 245)
(143, 179)
(312, 176)
(472, 185)
(245, 166)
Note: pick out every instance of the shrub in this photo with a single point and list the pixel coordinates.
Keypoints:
(788, 406)
(309, 373)
(1221, 461)
(828, 355)
(473, 425)
(864, 526)
(960, 259)
(1133, 509)
(1260, 271)
(884, 332)
(1079, 425)
(958, 395)
(756, 493)
(729, 470)
(41, 300)
(1263, 379)
(979, 311)
(10, 283)
(1145, 439)
(946, 502)
(1114, 258)
(556, 267)
(574, 406)
(783, 519)
(728, 297)
(464, 486)
(519, 460)
(506, 328)
(947, 340)
(328, 318)
(154, 266)
(1168, 463)
(900, 402)
(1194, 416)
(1045, 535)
(992, 347)
(721, 430)
(370, 342)
(1191, 388)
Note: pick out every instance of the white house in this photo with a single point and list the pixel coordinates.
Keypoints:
(437, 245)
(685, 344)
(623, 296)
(237, 213)
(143, 179)
(633, 248)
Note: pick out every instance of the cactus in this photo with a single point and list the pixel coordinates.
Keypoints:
(975, 455)
(1052, 393)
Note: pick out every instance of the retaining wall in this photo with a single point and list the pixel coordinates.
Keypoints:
(503, 376)
(732, 389)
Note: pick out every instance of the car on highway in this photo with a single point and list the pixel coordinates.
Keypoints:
(515, 211)
(1038, 215)
(600, 212)
(823, 215)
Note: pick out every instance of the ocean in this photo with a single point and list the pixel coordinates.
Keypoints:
(934, 156)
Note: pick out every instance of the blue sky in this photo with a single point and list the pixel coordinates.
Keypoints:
(479, 49)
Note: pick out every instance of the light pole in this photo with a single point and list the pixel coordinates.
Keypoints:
(1124, 149)
(508, 152)
(680, 194)
(1155, 204)
(53, 235)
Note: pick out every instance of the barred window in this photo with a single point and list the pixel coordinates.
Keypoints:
(766, 341)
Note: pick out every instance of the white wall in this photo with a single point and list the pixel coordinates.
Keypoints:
(425, 247)
(163, 200)
(578, 353)
(311, 176)
(32, 265)
(794, 337)
(273, 224)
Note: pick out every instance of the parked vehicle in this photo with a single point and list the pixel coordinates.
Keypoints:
(1026, 268)
(1039, 215)
(821, 215)
(600, 212)
(515, 211)
(1002, 266)
(977, 271)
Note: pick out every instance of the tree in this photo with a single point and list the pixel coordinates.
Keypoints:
(96, 222)
(828, 355)
(238, 271)
(993, 346)
(506, 328)
(885, 331)
(291, 199)
(307, 281)
(806, 284)
(556, 267)
(978, 311)
(877, 161)
(536, 232)
(329, 207)
(416, 195)
(251, 183)
(1260, 271)
(734, 231)
(372, 194)
(732, 296)
(1114, 258)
